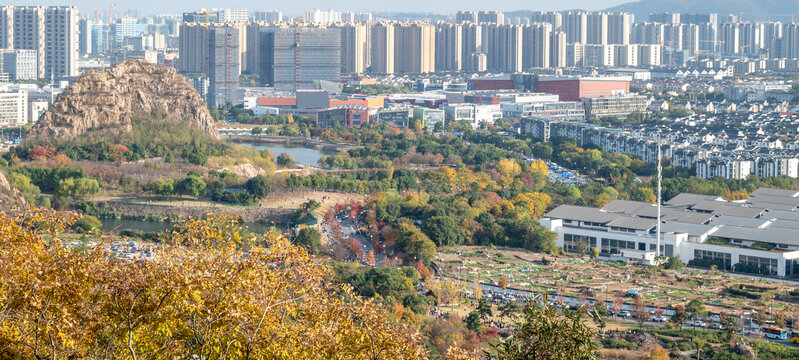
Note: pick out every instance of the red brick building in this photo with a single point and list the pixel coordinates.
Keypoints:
(575, 88)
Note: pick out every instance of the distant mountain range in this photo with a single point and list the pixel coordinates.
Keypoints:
(751, 9)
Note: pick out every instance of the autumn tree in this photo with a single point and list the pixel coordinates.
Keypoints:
(503, 281)
(548, 333)
(210, 293)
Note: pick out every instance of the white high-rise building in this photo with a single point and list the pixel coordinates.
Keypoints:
(234, 15)
(353, 48)
(13, 107)
(269, 16)
(627, 55)
(597, 28)
(324, 16)
(61, 41)
(619, 27)
(596, 55)
(19, 64)
(575, 24)
(536, 53)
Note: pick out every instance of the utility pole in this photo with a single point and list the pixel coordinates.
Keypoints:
(660, 180)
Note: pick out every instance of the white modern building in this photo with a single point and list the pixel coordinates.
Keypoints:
(13, 107)
(755, 236)
(19, 64)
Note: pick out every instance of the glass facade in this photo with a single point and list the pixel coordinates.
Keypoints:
(613, 246)
(572, 243)
(767, 266)
(724, 258)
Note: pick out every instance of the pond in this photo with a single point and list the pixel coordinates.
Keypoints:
(117, 225)
(302, 155)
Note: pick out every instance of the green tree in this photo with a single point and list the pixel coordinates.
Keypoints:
(164, 186)
(416, 302)
(258, 186)
(443, 231)
(256, 130)
(310, 239)
(673, 263)
(473, 322)
(192, 186)
(679, 316)
(509, 309)
(695, 308)
(484, 308)
(548, 333)
(414, 243)
(77, 187)
(285, 159)
(87, 224)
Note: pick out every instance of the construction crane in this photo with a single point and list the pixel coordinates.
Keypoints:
(715, 44)
(785, 15)
(741, 49)
(298, 23)
(207, 16)
(111, 12)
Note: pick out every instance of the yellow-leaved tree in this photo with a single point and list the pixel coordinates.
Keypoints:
(207, 293)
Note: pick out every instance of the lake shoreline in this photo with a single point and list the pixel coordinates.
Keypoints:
(287, 140)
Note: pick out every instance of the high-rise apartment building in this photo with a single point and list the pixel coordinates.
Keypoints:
(293, 58)
(472, 44)
(193, 52)
(665, 18)
(224, 65)
(449, 47)
(626, 55)
(85, 36)
(382, 52)
(18, 64)
(353, 47)
(619, 25)
(557, 49)
(6, 27)
(490, 17)
(466, 16)
(270, 16)
(575, 24)
(650, 55)
(730, 37)
(23, 28)
(503, 47)
(323, 16)
(597, 55)
(597, 28)
(553, 18)
(536, 45)
(414, 48)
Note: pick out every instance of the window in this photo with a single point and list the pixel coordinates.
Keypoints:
(578, 243)
(710, 256)
(613, 246)
(756, 264)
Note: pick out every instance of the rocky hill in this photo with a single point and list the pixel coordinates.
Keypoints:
(112, 101)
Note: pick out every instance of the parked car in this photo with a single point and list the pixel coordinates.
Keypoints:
(660, 319)
(716, 326)
(699, 323)
(623, 314)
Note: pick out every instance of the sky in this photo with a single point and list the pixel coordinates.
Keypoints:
(299, 6)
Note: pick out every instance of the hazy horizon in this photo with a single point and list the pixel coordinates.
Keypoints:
(145, 7)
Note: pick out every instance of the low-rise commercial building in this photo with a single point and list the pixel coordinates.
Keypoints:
(347, 116)
(756, 236)
(614, 105)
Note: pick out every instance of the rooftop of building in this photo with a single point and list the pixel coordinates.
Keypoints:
(700, 215)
